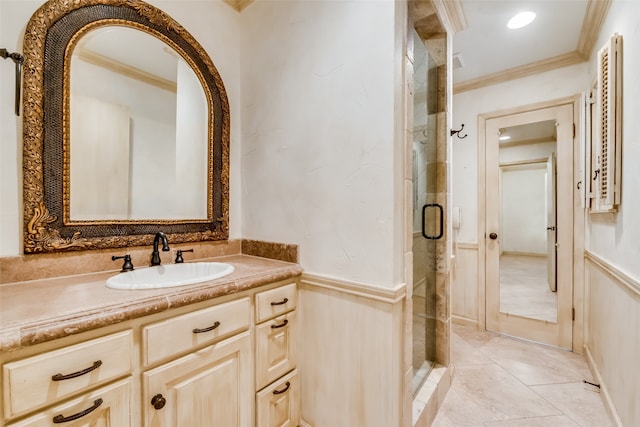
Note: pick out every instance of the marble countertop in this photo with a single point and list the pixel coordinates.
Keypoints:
(37, 311)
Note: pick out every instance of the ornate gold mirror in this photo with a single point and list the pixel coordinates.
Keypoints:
(126, 129)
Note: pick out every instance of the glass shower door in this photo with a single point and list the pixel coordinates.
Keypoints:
(427, 215)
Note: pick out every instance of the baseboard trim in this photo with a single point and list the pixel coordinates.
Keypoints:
(604, 392)
(378, 293)
(624, 280)
(303, 423)
(464, 321)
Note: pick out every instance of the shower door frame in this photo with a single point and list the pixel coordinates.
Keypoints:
(437, 44)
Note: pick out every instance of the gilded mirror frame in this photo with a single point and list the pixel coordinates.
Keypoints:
(49, 39)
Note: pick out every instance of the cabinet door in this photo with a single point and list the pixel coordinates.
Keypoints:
(278, 405)
(211, 387)
(107, 406)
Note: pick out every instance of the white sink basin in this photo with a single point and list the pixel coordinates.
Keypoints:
(171, 275)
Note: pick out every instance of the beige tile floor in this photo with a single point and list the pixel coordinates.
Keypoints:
(500, 381)
(524, 288)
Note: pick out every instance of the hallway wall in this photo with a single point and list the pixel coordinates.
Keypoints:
(467, 106)
(611, 242)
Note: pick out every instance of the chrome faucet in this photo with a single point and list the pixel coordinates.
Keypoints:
(155, 255)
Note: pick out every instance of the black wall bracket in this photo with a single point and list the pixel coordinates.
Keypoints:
(18, 59)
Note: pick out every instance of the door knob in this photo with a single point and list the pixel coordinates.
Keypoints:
(493, 236)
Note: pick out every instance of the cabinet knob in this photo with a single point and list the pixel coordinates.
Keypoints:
(493, 236)
(158, 401)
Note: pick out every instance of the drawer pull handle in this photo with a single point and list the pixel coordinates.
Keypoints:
(287, 385)
(284, 301)
(62, 419)
(158, 401)
(60, 377)
(283, 324)
(210, 328)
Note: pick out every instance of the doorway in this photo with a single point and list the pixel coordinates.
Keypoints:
(528, 231)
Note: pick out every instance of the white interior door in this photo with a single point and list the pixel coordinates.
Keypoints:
(519, 206)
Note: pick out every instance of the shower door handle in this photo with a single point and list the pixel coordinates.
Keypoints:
(441, 231)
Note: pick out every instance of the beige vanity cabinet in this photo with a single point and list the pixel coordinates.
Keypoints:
(226, 362)
(51, 377)
(278, 391)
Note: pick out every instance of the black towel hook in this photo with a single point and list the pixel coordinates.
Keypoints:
(457, 132)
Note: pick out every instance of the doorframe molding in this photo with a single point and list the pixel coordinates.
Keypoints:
(578, 215)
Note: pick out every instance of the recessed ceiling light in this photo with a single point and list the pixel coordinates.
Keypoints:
(520, 20)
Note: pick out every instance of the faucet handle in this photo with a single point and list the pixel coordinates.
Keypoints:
(127, 265)
(179, 258)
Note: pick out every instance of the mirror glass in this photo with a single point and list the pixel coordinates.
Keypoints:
(528, 220)
(138, 140)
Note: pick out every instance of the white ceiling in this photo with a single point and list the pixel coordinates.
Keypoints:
(487, 46)
(144, 52)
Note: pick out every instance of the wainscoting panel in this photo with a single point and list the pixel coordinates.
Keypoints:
(612, 336)
(464, 283)
(351, 357)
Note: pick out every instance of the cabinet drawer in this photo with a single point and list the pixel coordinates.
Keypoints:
(278, 405)
(48, 377)
(276, 301)
(182, 333)
(107, 406)
(276, 348)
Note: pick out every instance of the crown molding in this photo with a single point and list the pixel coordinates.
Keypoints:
(532, 68)
(591, 25)
(238, 5)
(452, 14)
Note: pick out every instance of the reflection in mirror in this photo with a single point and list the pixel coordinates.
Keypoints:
(138, 140)
(528, 220)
